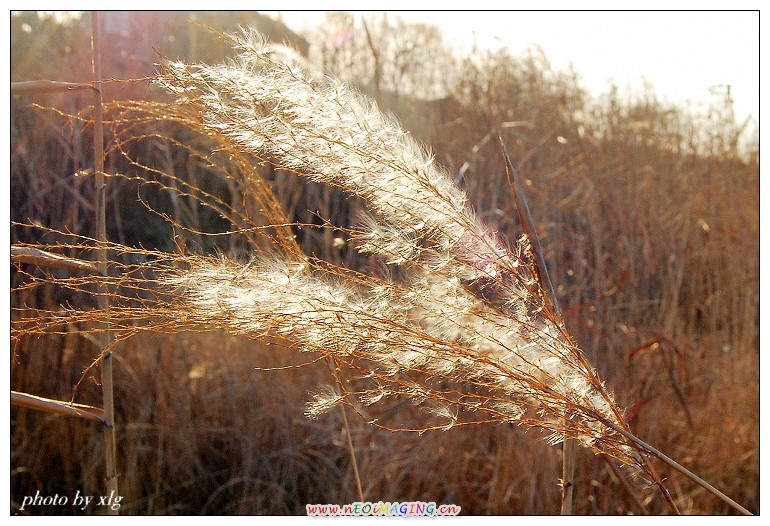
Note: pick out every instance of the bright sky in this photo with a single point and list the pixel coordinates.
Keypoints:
(683, 54)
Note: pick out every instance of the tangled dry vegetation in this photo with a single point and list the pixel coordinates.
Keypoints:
(440, 324)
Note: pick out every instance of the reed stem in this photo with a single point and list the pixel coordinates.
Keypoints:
(57, 406)
(351, 449)
(110, 453)
(678, 467)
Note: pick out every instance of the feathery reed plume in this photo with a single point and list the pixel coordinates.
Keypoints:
(467, 308)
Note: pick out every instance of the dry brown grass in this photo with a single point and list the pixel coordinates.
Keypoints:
(235, 441)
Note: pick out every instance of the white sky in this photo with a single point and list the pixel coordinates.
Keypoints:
(682, 54)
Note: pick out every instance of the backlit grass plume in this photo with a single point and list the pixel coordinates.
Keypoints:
(461, 329)
(465, 308)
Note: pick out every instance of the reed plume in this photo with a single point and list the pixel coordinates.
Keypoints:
(459, 325)
(464, 308)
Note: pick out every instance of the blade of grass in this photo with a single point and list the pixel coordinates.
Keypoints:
(529, 230)
(528, 224)
(568, 460)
